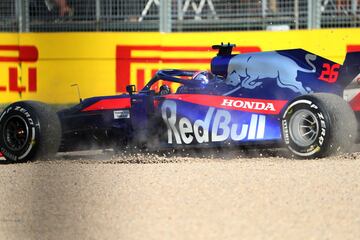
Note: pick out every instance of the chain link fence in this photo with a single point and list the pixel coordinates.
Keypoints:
(175, 15)
(340, 13)
(9, 16)
(239, 15)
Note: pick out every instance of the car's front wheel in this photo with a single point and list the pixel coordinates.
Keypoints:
(29, 130)
(318, 125)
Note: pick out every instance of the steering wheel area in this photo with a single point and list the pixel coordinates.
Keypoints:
(164, 90)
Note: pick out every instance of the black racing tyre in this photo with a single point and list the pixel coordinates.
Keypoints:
(29, 131)
(318, 125)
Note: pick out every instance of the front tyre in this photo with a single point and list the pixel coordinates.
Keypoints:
(318, 125)
(29, 131)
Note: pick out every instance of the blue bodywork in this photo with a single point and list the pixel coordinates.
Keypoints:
(242, 105)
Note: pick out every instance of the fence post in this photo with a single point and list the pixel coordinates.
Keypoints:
(97, 10)
(296, 13)
(97, 14)
(180, 10)
(354, 6)
(314, 14)
(22, 14)
(165, 16)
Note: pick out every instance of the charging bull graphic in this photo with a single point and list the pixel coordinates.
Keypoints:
(249, 71)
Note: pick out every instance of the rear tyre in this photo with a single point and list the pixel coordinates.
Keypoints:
(29, 131)
(318, 125)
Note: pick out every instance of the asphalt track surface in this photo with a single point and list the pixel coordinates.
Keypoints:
(226, 195)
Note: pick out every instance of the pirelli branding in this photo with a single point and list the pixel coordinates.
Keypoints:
(21, 71)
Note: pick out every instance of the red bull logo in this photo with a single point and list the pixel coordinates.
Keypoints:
(249, 71)
(16, 55)
(217, 126)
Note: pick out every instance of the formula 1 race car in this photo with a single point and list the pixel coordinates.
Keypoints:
(289, 98)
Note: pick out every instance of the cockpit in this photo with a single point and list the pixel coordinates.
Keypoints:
(177, 81)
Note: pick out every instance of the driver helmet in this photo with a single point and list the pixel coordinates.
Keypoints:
(204, 76)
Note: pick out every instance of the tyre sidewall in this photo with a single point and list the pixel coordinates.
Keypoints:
(28, 115)
(323, 139)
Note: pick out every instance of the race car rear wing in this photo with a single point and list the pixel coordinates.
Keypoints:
(349, 72)
(349, 76)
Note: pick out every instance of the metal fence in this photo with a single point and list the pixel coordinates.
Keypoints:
(175, 15)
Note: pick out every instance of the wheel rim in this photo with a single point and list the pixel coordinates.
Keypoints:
(16, 133)
(303, 127)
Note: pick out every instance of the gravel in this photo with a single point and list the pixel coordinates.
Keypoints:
(215, 195)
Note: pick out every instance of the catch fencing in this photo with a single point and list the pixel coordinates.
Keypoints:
(176, 15)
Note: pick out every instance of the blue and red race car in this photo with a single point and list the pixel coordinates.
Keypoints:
(289, 98)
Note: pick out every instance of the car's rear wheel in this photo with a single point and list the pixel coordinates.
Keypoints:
(318, 125)
(29, 130)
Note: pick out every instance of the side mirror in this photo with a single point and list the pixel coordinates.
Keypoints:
(130, 89)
